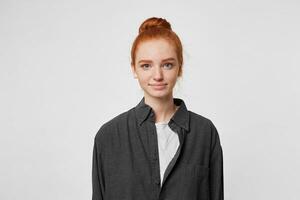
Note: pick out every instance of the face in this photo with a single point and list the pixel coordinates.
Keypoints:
(156, 68)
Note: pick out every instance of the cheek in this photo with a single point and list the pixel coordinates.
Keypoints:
(143, 79)
(172, 77)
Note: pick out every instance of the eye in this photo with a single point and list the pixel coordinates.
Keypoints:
(145, 66)
(169, 65)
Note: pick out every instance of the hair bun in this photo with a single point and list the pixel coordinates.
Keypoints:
(154, 22)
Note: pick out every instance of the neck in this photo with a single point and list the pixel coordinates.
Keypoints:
(164, 108)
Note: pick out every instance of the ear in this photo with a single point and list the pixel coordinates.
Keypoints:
(133, 71)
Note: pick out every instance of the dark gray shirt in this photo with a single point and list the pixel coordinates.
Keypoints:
(126, 162)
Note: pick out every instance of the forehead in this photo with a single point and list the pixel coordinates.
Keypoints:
(155, 49)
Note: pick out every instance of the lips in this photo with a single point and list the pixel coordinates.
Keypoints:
(158, 84)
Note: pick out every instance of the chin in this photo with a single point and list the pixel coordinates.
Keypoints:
(159, 94)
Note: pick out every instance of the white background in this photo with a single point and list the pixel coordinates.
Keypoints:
(65, 70)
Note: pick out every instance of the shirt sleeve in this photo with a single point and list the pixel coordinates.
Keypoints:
(216, 167)
(97, 174)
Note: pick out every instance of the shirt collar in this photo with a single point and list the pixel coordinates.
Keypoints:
(180, 117)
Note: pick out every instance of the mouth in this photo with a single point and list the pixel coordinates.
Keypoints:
(158, 86)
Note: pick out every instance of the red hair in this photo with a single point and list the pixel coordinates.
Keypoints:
(157, 28)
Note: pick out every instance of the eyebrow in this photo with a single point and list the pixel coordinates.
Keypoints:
(167, 59)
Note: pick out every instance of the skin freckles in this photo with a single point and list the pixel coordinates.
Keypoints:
(156, 64)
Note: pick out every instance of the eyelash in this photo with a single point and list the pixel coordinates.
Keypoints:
(164, 65)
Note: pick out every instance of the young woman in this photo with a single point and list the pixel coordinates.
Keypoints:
(158, 149)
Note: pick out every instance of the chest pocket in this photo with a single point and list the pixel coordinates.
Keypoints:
(195, 182)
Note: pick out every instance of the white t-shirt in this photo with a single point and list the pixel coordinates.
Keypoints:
(168, 143)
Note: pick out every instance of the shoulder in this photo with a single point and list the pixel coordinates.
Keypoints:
(204, 128)
(112, 124)
(203, 124)
(199, 119)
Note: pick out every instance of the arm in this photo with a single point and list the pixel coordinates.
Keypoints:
(97, 174)
(216, 167)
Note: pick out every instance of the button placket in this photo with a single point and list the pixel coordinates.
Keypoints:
(154, 150)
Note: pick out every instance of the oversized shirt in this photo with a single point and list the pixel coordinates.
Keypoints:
(126, 158)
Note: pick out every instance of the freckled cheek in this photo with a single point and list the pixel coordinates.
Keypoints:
(171, 80)
(143, 78)
(145, 82)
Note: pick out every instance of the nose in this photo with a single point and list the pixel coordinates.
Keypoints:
(157, 74)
